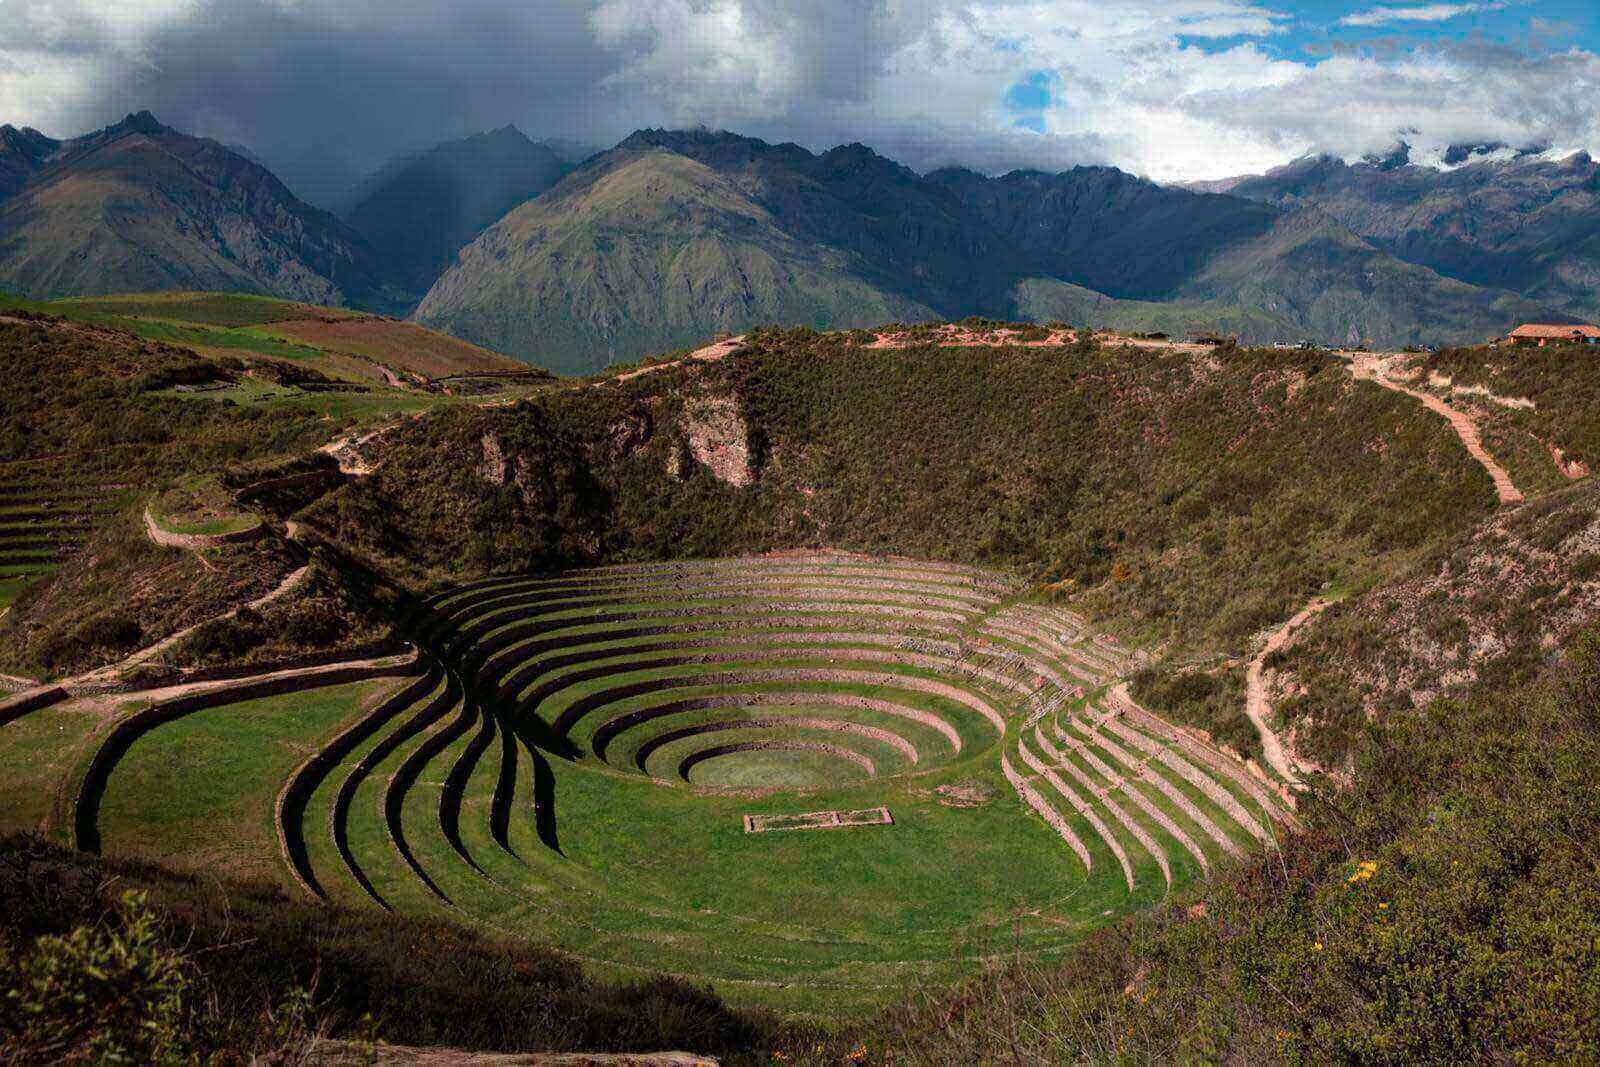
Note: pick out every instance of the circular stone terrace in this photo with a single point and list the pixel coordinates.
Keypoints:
(812, 779)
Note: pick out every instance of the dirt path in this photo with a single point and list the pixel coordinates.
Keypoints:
(1256, 705)
(708, 354)
(956, 336)
(361, 1054)
(346, 451)
(1375, 369)
(290, 583)
(184, 689)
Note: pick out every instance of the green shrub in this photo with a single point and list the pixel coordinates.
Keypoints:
(87, 977)
(109, 992)
(106, 632)
(1214, 702)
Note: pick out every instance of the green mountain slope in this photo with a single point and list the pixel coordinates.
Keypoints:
(1049, 300)
(649, 252)
(1530, 225)
(138, 207)
(1311, 270)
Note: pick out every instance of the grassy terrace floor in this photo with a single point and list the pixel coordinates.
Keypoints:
(573, 759)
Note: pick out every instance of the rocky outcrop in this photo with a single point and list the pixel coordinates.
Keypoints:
(499, 467)
(495, 467)
(717, 436)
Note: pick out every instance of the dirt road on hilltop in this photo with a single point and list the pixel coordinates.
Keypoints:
(707, 354)
(1375, 368)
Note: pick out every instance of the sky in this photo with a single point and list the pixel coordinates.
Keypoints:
(1170, 89)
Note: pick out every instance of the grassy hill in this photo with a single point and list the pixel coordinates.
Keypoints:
(178, 402)
(104, 425)
(1070, 463)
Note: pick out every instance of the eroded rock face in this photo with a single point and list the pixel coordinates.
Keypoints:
(532, 485)
(627, 435)
(496, 465)
(526, 473)
(718, 436)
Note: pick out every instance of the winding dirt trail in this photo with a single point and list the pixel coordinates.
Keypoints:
(1256, 704)
(111, 672)
(708, 354)
(177, 690)
(1375, 369)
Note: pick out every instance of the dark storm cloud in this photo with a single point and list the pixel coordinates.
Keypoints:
(366, 78)
(369, 78)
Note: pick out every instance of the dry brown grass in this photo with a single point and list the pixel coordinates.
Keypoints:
(401, 345)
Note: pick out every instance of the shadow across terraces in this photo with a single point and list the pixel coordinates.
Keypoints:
(520, 733)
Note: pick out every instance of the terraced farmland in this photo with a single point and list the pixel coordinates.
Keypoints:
(44, 518)
(813, 779)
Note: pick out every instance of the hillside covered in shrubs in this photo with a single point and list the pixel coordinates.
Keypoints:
(1189, 500)
(1196, 498)
(94, 428)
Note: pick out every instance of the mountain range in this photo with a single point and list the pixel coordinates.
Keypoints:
(137, 206)
(674, 235)
(1527, 224)
(420, 209)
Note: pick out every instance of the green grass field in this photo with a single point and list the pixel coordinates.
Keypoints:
(577, 763)
(227, 310)
(201, 790)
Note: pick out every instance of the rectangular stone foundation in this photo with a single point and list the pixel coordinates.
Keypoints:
(818, 820)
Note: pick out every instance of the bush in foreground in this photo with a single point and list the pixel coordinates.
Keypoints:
(123, 962)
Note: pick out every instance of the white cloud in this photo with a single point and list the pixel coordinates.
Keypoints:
(1380, 16)
(1167, 88)
(1155, 86)
(697, 56)
(56, 53)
